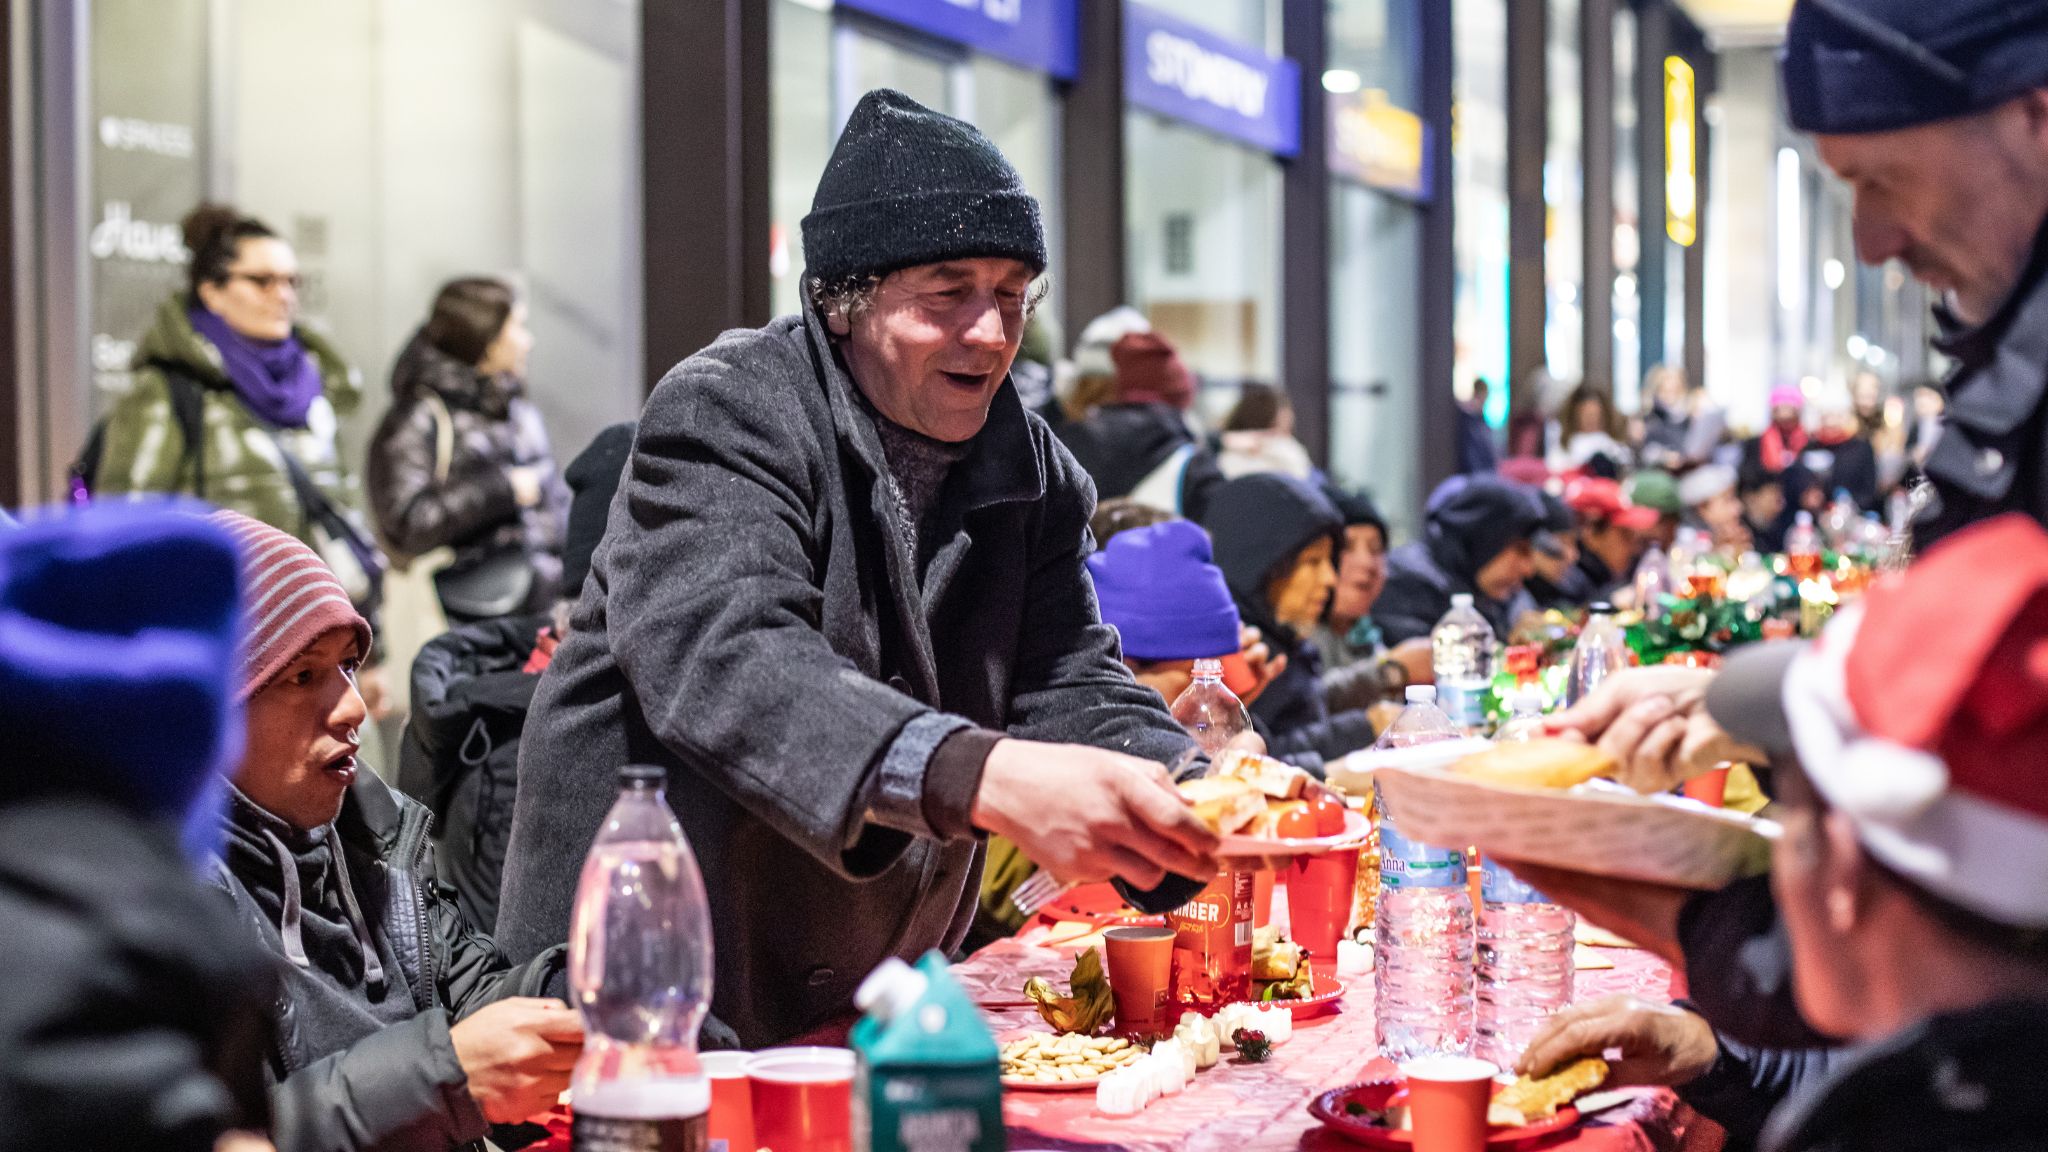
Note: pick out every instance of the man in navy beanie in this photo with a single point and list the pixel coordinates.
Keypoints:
(842, 599)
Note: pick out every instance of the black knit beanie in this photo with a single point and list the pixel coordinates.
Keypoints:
(909, 186)
(1854, 66)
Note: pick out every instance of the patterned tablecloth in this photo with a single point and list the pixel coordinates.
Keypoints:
(1264, 1108)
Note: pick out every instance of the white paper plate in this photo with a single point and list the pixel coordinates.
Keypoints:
(1662, 840)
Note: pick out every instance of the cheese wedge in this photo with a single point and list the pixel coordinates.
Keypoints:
(1225, 803)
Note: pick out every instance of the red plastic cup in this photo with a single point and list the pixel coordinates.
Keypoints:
(732, 1101)
(1262, 897)
(1447, 1099)
(802, 1099)
(1321, 891)
(1140, 977)
(1709, 788)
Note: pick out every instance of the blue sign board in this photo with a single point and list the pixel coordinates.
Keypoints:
(1189, 73)
(1038, 34)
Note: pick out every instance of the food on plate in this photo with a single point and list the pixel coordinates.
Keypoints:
(1275, 779)
(1045, 1058)
(1526, 1101)
(1224, 803)
(1280, 968)
(1328, 809)
(1288, 820)
(1548, 764)
(1258, 796)
(1088, 1004)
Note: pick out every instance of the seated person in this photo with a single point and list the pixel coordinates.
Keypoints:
(1275, 539)
(1359, 670)
(1657, 490)
(134, 1017)
(1611, 536)
(1477, 542)
(1713, 507)
(1139, 444)
(1908, 873)
(400, 1026)
(1556, 583)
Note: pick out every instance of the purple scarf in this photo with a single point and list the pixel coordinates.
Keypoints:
(277, 379)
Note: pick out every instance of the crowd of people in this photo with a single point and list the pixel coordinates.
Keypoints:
(901, 635)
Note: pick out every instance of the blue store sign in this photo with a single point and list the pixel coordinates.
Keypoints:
(1189, 73)
(1038, 34)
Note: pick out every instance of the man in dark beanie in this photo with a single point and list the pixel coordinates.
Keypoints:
(842, 598)
(1477, 543)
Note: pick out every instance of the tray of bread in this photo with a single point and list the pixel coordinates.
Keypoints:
(1268, 811)
(1554, 802)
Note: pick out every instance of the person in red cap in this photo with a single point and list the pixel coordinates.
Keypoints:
(1906, 744)
(1611, 538)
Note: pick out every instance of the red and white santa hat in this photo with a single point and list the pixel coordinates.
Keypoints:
(1922, 715)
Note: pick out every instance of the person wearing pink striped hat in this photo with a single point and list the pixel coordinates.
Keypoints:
(400, 1025)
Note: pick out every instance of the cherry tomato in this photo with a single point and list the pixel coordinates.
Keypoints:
(1329, 814)
(1296, 824)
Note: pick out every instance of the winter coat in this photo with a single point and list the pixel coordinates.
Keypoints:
(1744, 1085)
(368, 1064)
(461, 752)
(1478, 451)
(1422, 576)
(134, 1013)
(1260, 523)
(474, 511)
(1120, 446)
(1968, 1081)
(145, 451)
(755, 623)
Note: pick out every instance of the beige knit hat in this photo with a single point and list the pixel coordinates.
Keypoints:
(290, 598)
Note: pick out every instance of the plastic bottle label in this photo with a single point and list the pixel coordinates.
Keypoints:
(604, 1134)
(1406, 863)
(1497, 885)
(1465, 704)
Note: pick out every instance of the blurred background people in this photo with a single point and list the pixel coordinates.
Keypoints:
(1657, 490)
(1612, 533)
(1477, 542)
(1477, 449)
(1138, 441)
(1779, 445)
(461, 460)
(1359, 670)
(1711, 504)
(135, 1014)
(1258, 436)
(1851, 461)
(1681, 426)
(1591, 435)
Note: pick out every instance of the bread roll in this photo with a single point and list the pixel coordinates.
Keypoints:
(1225, 803)
(1541, 764)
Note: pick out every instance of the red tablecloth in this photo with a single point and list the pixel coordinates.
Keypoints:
(1264, 1108)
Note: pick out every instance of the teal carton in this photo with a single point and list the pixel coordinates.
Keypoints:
(930, 1077)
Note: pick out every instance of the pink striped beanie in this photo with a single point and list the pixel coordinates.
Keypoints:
(290, 598)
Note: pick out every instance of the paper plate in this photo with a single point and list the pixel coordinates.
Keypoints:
(1333, 1108)
(1329, 991)
(1659, 839)
(1273, 851)
(1019, 1084)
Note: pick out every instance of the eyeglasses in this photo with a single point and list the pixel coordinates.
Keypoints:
(266, 281)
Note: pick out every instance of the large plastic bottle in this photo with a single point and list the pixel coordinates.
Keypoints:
(1525, 717)
(1600, 652)
(1422, 970)
(930, 1076)
(640, 972)
(1524, 966)
(1654, 579)
(1209, 710)
(1462, 653)
(1838, 524)
(1802, 548)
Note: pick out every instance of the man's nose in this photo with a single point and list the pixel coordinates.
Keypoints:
(1878, 239)
(349, 712)
(986, 329)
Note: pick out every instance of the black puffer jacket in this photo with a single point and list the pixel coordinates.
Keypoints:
(134, 1015)
(461, 750)
(362, 1058)
(474, 511)
(1120, 445)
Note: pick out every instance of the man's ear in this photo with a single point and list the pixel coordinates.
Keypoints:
(1847, 873)
(836, 321)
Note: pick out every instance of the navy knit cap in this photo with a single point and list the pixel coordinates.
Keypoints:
(909, 186)
(117, 653)
(1160, 591)
(1853, 66)
(1480, 519)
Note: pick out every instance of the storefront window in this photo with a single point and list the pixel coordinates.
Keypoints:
(1202, 221)
(1564, 199)
(1251, 22)
(1479, 174)
(1629, 232)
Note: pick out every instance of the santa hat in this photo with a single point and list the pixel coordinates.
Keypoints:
(1922, 715)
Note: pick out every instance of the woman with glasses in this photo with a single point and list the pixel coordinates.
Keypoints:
(231, 394)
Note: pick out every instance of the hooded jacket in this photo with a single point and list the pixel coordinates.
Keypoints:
(474, 510)
(1467, 528)
(1121, 445)
(755, 623)
(1260, 523)
(378, 963)
(470, 695)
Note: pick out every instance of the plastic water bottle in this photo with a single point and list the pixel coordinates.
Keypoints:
(1600, 653)
(1525, 965)
(1802, 548)
(1653, 580)
(1839, 524)
(1525, 717)
(930, 1076)
(1422, 968)
(1462, 651)
(1209, 710)
(640, 972)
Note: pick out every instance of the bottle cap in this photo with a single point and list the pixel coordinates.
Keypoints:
(1208, 667)
(1528, 698)
(1461, 600)
(1600, 608)
(643, 774)
(890, 990)
(1422, 693)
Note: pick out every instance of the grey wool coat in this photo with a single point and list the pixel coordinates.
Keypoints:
(755, 623)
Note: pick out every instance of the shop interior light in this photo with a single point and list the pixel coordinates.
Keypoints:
(1791, 250)
(1681, 176)
(1858, 346)
(1624, 287)
(1342, 81)
(1833, 274)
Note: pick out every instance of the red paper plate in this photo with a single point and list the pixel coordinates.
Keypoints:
(1271, 850)
(1096, 904)
(1329, 990)
(1379, 1095)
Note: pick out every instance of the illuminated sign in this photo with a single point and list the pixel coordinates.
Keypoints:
(1184, 71)
(1378, 143)
(1681, 170)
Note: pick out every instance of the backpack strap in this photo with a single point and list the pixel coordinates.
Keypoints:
(188, 408)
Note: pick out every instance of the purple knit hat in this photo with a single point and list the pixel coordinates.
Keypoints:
(1159, 588)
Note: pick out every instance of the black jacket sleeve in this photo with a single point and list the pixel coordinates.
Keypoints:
(1746, 1084)
(400, 1089)
(414, 512)
(1738, 966)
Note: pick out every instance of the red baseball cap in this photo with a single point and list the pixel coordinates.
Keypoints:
(1599, 497)
(1922, 714)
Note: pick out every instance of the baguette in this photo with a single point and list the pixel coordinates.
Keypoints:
(1545, 764)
